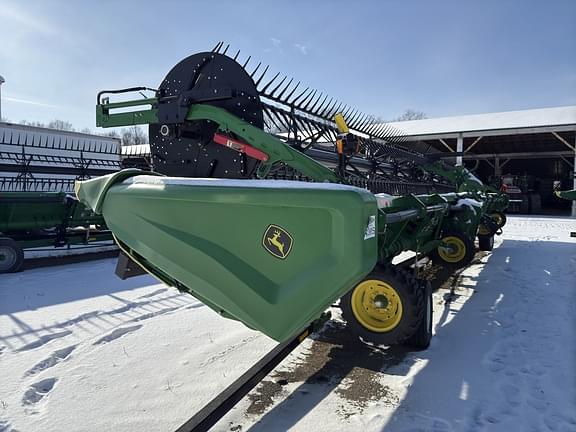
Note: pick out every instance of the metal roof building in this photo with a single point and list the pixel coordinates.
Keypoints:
(536, 142)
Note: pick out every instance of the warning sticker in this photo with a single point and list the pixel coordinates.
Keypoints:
(370, 228)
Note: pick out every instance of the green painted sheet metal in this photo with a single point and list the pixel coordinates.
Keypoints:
(31, 210)
(220, 240)
(568, 195)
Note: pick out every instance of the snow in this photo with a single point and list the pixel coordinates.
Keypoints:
(149, 180)
(83, 351)
(468, 202)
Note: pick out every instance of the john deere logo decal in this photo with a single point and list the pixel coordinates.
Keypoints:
(277, 241)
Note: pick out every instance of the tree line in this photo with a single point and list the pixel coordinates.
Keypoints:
(129, 135)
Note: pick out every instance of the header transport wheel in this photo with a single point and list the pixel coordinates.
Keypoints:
(485, 242)
(499, 218)
(456, 250)
(11, 256)
(386, 308)
(421, 339)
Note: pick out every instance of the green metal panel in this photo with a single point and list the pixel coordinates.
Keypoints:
(31, 210)
(568, 195)
(218, 241)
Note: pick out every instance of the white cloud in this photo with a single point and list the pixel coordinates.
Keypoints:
(29, 102)
(303, 48)
(17, 16)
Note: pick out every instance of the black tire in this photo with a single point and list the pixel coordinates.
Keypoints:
(411, 297)
(464, 250)
(499, 218)
(486, 242)
(420, 340)
(11, 256)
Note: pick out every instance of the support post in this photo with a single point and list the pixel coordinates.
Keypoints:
(2, 81)
(459, 149)
(574, 180)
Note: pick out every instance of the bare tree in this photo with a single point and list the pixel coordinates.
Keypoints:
(86, 131)
(411, 114)
(134, 135)
(29, 123)
(61, 125)
(111, 133)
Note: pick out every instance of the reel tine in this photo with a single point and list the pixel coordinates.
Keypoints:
(315, 112)
(307, 107)
(372, 127)
(365, 122)
(368, 126)
(255, 70)
(327, 113)
(379, 129)
(387, 131)
(291, 93)
(326, 108)
(236, 56)
(336, 111)
(310, 101)
(299, 96)
(257, 83)
(263, 91)
(312, 93)
(278, 86)
(356, 122)
(354, 117)
(347, 110)
(285, 88)
(270, 116)
(217, 47)
(246, 63)
(226, 49)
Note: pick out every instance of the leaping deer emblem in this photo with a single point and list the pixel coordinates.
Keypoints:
(274, 240)
(277, 241)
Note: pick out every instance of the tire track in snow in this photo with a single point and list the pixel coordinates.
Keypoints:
(38, 391)
(228, 350)
(117, 333)
(56, 357)
(43, 340)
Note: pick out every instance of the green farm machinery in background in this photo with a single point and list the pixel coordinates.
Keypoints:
(44, 219)
(269, 203)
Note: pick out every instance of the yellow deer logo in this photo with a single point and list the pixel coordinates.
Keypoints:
(277, 241)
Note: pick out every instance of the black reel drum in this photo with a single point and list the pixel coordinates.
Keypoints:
(186, 148)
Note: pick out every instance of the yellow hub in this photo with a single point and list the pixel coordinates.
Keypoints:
(376, 305)
(497, 218)
(454, 250)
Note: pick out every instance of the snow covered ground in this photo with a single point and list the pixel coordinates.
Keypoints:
(83, 351)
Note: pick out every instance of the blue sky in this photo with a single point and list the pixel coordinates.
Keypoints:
(441, 57)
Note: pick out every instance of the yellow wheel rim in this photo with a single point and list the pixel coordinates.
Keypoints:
(482, 230)
(497, 218)
(454, 251)
(376, 305)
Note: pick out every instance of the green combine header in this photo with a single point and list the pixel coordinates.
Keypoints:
(270, 204)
